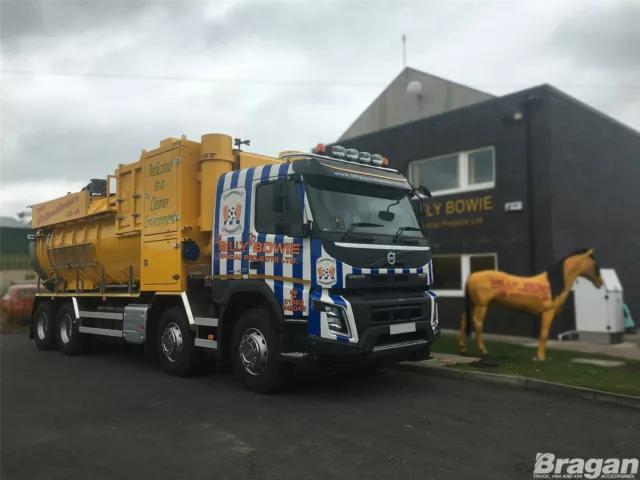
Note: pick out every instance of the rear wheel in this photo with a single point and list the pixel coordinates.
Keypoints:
(175, 344)
(44, 327)
(255, 352)
(70, 340)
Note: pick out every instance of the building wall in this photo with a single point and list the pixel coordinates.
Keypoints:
(394, 106)
(595, 177)
(486, 230)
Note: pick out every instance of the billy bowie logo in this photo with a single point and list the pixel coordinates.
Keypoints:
(232, 208)
(548, 466)
(326, 271)
(265, 252)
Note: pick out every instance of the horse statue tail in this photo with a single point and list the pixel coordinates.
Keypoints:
(467, 309)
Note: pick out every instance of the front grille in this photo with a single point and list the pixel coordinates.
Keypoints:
(374, 284)
(395, 314)
(386, 342)
(387, 279)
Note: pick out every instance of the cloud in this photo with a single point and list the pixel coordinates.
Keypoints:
(16, 197)
(87, 84)
(601, 36)
(27, 20)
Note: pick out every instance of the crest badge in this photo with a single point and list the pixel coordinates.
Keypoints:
(232, 211)
(326, 271)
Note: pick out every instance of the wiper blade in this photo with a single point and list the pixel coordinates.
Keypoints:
(359, 224)
(401, 230)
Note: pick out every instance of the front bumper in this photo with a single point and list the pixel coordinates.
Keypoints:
(376, 345)
(377, 319)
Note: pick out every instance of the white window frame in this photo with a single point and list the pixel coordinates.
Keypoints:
(463, 172)
(465, 271)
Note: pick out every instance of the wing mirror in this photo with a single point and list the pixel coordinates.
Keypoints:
(305, 230)
(386, 216)
(424, 191)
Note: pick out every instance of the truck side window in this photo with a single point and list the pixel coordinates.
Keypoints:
(278, 209)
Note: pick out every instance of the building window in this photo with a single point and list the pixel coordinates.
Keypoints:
(278, 209)
(477, 263)
(447, 271)
(458, 172)
(450, 272)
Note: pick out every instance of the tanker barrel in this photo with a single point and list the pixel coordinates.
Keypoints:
(216, 158)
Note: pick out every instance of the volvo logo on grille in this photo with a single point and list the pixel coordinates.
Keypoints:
(391, 258)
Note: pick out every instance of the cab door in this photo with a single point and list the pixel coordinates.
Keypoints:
(279, 250)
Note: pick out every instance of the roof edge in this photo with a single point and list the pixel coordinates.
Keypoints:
(404, 72)
(579, 103)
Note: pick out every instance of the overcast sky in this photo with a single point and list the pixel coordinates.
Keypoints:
(88, 84)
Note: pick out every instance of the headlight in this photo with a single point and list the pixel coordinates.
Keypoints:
(352, 154)
(336, 317)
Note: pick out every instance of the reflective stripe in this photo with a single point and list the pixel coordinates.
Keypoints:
(204, 343)
(103, 315)
(206, 321)
(100, 331)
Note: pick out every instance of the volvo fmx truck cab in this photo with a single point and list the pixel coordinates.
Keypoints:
(265, 262)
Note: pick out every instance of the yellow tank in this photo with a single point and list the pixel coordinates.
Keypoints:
(80, 249)
(145, 233)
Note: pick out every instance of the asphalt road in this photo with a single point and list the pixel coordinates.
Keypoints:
(110, 415)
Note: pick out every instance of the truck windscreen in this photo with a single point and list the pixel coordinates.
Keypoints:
(338, 205)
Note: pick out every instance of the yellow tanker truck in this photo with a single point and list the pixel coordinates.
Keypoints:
(267, 262)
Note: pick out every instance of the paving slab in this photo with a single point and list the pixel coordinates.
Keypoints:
(599, 363)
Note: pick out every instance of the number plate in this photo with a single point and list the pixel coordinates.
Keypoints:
(402, 328)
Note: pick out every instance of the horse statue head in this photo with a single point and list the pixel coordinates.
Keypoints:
(588, 268)
(562, 274)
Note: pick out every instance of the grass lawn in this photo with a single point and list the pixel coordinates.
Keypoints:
(507, 358)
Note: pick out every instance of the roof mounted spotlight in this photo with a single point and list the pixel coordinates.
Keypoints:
(338, 151)
(376, 159)
(365, 157)
(352, 154)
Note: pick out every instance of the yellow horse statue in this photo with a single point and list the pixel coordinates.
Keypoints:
(542, 294)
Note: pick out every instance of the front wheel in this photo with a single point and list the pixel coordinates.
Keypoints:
(175, 346)
(255, 352)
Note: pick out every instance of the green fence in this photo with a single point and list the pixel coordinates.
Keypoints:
(15, 261)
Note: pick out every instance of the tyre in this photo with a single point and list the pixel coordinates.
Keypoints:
(70, 340)
(255, 352)
(44, 327)
(175, 344)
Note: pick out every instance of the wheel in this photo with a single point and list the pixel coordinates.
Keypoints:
(255, 352)
(175, 344)
(70, 340)
(44, 327)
